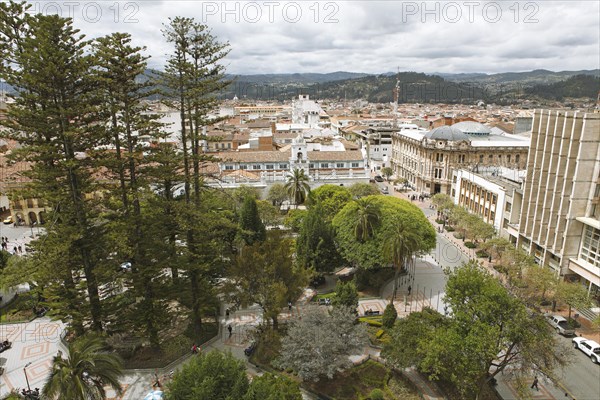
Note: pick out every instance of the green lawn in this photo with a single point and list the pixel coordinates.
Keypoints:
(18, 310)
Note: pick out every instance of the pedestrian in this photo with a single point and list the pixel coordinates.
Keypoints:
(409, 289)
(534, 385)
(156, 380)
(227, 313)
(20, 249)
(194, 349)
(230, 329)
(290, 305)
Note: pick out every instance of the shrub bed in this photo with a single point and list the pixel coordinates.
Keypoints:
(482, 253)
(449, 229)
(470, 245)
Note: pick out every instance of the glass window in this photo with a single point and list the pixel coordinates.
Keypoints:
(283, 166)
(324, 165)
(269, 166)
(339, 165)
(229, 167)
(590, 248)
(354, 165)
(256, 166)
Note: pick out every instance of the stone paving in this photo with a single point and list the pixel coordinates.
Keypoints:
(34, 344)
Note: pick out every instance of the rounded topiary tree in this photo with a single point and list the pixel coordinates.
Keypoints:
(376, 394)
(389, 316)
(368, 251)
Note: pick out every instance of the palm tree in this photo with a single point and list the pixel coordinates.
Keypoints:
(399, 248)
(297, 186)
(367, 217)
(84, 373)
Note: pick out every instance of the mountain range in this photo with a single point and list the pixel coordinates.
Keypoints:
(500, 88)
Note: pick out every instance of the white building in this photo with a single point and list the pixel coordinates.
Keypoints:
(491, 193)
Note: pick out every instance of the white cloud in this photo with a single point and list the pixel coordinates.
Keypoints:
(361, 36)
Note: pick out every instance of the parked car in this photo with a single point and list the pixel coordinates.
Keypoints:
(561, 325)
(589, 348)
(8, 220)
(379, 178)
(384, 190)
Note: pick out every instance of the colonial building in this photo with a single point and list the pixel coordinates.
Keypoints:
(322, 161)
(560, 217)
(427, 159)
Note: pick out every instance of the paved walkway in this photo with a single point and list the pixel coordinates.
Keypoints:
(34, 344)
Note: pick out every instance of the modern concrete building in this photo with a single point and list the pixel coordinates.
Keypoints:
(492, 193)
(427, 159)
(560, 217)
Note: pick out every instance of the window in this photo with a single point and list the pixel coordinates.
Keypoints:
(439, 157)
(508, 158)
(283, 166)
(508, 207)
(324, 165)
(354, 165)
(481, 159)
(339, 165)
(590, 248)
(311, 165)
(517, 157)
(228, 167)
(269, 166)
(491, 158)
(256, 166)
(228, 145)
(243, 166)
(461, 158)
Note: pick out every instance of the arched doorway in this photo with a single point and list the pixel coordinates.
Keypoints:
(42, 217)
(32, 218)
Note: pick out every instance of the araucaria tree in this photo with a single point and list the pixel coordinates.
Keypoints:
(57, 121)
(192, 76)
(80, 115)
(487, 331)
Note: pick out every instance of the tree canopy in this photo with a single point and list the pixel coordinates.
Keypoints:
(486, 331)
(209, 376)
(315, 245)
(370, 253)
(359, 190)
(273, 387)
(321, 343)
(264, 273)
(331, 199)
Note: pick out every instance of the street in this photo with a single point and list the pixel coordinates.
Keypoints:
(582, 377)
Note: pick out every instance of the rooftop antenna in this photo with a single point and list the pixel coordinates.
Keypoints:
(396, 96)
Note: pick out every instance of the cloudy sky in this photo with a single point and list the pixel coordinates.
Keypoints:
(360, 36)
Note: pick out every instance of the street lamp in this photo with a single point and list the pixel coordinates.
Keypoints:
(25, 372)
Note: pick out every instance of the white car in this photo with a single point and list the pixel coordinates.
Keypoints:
(589, 348)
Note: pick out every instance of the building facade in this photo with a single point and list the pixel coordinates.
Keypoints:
(560, 217)
(492, 194)
(428, 159)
